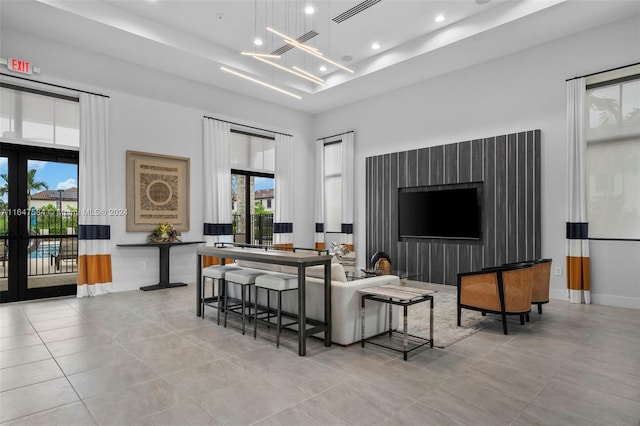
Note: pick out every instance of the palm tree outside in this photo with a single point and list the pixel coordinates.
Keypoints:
(32, 184)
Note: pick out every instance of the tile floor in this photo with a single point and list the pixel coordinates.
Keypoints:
(143, 358)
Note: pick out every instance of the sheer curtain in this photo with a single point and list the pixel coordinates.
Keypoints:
(577, 233)
(216, 171)
(94, 230)
(348, 164)
(283, 215)
(319, 199)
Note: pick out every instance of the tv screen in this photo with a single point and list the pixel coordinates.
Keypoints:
(443, 213)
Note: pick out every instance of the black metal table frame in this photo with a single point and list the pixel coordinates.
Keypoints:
(405, 336)
(221, 250)
(164, 281)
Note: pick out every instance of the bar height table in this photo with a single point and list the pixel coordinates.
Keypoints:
(164, 263)
(274, 255)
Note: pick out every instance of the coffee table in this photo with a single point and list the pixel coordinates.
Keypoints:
(402, 296)
(359, 274)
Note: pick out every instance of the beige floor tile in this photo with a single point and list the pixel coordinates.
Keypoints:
(110, 378)
(601, 377)
(305, 376)
(97, 357)
(358, 402)
(128, 405)
(16, 329)
(75, 414)
(132, 333)
(420, 414)
(19, 341)
(470, 399)
(68, 333)
(29, 374)
(52, 324)
(589, 405)
(155, 345)
(168, 362)
(79, 344)
(200, 380)
(32, 399)
(248, 401)
(186, 414)
(23, 355)
(302, 414)
(512, 382)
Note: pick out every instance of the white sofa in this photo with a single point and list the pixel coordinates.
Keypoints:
(345, 300)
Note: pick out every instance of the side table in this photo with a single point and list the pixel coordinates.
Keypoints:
(402, 296)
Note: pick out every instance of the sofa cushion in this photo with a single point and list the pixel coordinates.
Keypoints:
(258, 265)
(337, 272)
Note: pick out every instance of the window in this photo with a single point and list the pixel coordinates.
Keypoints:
(35, 117)
(613, 158)
(333, 187)
(252, 152)
(252, 168)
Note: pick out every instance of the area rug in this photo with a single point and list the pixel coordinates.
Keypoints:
(445, 328)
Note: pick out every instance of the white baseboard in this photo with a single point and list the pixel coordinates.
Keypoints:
(600, 299)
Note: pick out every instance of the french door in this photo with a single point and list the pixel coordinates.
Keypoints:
(252, 207)
(38, 222)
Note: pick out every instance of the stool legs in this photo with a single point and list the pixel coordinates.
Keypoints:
(279, 319)
(243, 302)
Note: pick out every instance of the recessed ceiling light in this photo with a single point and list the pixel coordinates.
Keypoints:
(257, 42)
(375, 46)
(323, 68)
(439, 18)
(309, 10)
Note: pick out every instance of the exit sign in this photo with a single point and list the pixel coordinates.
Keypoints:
(18, 65)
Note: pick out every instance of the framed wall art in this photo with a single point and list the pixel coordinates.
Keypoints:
(157, 191)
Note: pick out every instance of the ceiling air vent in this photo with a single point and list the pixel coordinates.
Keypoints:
(354, 11)
(287, 47)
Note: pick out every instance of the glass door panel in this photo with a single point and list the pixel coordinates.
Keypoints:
(4, 225)
(253, 206)
(52, 249)
(38, 222)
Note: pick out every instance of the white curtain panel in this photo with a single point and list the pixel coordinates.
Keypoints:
(94, 231)
(578, 271)
(217, 182)
(319, 198)
(283, 215)
(348, 164)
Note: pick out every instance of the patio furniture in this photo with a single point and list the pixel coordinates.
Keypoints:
(68, 251)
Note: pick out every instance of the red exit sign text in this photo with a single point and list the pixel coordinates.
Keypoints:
(18, 65)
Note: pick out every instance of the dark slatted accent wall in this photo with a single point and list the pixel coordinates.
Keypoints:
(508, 170)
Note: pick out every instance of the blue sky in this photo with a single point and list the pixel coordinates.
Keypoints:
(56, 175)
(262, 183)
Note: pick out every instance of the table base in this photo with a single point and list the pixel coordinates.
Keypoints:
(161, 286)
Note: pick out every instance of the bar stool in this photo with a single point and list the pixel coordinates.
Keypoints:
(278, 283)
(216, 273)
(245, 278)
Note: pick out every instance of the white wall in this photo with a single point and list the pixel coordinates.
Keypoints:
(522, 91)
(156, 112)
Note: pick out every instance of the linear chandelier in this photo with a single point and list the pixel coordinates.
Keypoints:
(311, 50)
(262, 83)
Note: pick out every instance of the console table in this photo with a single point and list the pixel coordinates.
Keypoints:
(279, 256)
(163, 264)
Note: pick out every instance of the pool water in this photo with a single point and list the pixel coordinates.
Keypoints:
(45, 250)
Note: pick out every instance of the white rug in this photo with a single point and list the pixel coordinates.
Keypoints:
(445, 328)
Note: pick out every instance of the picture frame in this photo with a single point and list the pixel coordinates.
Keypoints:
(157, 191)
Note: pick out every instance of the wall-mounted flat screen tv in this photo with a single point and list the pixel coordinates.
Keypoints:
(439, 213)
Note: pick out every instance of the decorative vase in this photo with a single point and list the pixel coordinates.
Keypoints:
(383, 266)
